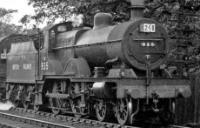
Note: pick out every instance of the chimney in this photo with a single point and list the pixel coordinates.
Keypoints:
(137, 7)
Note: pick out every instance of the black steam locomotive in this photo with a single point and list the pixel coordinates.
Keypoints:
(107, 70)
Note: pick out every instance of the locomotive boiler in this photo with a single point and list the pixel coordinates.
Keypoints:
(110, 69)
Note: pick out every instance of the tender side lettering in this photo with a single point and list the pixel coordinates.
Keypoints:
(27, 66)
(15, 67)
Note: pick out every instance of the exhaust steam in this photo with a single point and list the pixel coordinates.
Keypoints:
(77, 20)
(6, 106)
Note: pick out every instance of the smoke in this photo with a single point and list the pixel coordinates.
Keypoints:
(77, 20)
(6, 106)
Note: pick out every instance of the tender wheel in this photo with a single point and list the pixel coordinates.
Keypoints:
(26, 104)
(36, 108)
(16, 103)
(101, 110)
(123, 111)
(13, 95)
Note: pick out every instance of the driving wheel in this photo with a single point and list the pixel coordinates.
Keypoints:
(101, 110)
(124, 111)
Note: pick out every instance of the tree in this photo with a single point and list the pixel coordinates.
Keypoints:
(5, 27)
(182, 20)
(64, 9)
(5, 15)
(174, 14)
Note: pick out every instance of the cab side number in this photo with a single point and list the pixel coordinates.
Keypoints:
(44, 66)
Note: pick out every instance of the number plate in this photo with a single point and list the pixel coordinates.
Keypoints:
(147, 27)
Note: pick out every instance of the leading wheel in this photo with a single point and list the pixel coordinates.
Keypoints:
(124, 111)
(101, 110)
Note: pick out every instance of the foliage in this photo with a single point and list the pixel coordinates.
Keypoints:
(5, 15)
(64, 9)
(175, 15)
(5, 27)
(182, 20)
(163, 11)
(171, 13)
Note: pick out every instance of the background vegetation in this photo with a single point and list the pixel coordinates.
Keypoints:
(181, 18)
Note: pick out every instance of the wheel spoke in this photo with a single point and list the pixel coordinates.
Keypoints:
(101, 110)
(54, 102)
(123, 112)
(54, 106)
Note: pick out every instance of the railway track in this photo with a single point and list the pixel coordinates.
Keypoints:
(48, 120)
(32, 121)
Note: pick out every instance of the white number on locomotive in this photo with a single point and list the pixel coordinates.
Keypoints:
(147, 27)
(44, 66)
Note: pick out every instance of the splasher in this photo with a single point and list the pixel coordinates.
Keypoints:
(6, 106)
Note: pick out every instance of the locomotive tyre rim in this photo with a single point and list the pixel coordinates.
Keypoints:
(123, 113)
(101, 110)
(53, 103)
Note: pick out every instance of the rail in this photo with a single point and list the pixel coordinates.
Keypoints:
(33, 121)
(61, 121)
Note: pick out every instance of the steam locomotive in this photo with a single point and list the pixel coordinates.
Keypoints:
(110, 69)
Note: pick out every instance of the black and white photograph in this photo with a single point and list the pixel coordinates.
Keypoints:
(99, 63)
